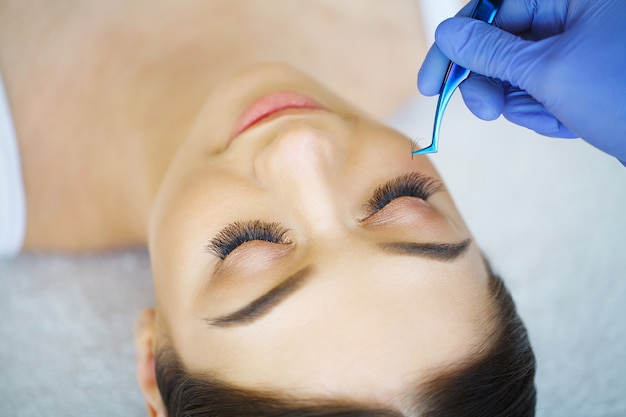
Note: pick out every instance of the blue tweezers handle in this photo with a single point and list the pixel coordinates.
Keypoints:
(484, 10)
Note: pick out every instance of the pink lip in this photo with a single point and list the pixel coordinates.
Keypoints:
(270, 105)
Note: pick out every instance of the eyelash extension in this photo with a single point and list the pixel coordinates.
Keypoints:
(412, 184)
(415, 145)
(238, 233)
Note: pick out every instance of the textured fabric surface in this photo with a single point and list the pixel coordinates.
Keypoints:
(66, 332)
(548, 213)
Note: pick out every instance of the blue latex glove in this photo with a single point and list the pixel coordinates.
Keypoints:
(556, 66)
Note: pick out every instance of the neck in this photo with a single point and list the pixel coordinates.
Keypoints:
(102, 98)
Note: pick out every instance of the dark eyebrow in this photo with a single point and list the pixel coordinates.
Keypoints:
(263, 304)
(446, 252)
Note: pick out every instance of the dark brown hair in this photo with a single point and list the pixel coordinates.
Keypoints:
(496, 382)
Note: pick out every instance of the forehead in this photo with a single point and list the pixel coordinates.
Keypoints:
(363, 330)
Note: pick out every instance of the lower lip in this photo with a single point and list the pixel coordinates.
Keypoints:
(271, 105)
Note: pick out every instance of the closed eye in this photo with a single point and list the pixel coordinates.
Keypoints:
(413, 184)
(239, 233)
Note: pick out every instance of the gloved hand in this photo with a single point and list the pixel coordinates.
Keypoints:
(556, 66)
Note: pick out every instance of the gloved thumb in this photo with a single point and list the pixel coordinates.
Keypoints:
(486, 49)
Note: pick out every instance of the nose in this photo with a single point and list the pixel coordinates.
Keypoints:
(302, 166)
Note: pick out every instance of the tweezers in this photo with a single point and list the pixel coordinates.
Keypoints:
(484, 10)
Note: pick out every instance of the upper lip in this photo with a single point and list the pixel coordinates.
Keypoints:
(271, 105)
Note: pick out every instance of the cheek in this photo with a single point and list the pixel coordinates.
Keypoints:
(378, 147)
(188, 211)
(194, 200)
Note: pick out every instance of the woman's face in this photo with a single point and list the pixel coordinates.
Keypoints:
(311, 254)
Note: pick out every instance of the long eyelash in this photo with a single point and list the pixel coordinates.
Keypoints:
(415, 145)
(412, 184)
(238, 233)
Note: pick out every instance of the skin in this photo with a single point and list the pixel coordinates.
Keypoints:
(103, 94)
(311, 171)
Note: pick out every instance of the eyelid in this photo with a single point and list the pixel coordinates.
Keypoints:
(252, 258)
(412, 184)
(238, 233)
(405, 210)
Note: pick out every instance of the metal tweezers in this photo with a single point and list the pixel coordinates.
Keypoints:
(484, 10)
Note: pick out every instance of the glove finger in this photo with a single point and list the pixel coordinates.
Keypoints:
(430, 75)
(516, 16)
(522, 109)
(483, 96)
(538, 19)
(485, 49)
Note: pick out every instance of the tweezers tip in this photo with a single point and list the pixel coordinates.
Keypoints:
(415, 148)
(424, 151)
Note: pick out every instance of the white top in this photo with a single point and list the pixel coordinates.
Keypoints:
(12, 199)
